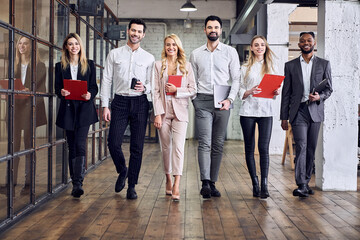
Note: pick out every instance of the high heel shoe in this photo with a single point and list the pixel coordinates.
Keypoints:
(168, 190)
(175, 198)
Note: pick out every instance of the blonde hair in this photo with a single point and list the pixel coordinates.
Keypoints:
(65, 56)
(268, 64)
(18, 54)
(181, 58)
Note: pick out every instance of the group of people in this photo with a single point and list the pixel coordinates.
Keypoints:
(214, 63)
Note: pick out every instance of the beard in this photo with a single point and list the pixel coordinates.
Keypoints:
(213, 38)
(134, 42)
(307, 52)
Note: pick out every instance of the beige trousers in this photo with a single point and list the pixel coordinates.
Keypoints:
(172, 137)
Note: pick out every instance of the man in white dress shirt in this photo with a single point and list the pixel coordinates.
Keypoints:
(125, 65)
(214, 63)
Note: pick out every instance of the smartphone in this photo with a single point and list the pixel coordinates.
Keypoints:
(134, 82)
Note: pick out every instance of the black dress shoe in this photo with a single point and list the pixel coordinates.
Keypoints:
(301, 191)
(205, 189)
(264, 193)
(120, 182)
(214, 191)
(131, 193)
(310, 191)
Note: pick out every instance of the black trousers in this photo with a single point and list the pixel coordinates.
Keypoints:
(265, 128)
(305, 132)
(125, 110)
(77, 144)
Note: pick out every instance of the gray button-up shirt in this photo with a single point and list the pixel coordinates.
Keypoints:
(123, 64)
(220, 67)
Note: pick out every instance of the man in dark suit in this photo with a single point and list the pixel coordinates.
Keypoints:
(304, 107)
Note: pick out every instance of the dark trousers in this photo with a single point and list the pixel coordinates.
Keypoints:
(248, 128)
(124, 110)
(77, 144)
(305, 132)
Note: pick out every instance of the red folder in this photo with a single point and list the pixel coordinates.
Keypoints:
(76, 89)
(4, 83)
(268, 85)
(176, 80)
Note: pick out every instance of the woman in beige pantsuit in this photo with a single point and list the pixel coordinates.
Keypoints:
(171, 111)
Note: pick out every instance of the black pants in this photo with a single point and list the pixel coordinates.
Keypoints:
(248, 128)
(305, 132)
(124, 110)
(77, 144)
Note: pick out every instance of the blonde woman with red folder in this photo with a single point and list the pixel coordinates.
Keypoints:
(171, 111)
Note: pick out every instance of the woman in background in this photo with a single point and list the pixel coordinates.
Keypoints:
(76, 116)
(23, 103)
(171, 111)
(256, 110)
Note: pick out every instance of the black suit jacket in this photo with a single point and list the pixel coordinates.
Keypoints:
(74, 113)
(294, 87)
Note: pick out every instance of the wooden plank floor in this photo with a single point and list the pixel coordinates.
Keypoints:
(103, 214)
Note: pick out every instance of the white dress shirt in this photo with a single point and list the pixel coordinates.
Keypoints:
(254, 106)
(123, 64)
(217, 67)
(306, 73)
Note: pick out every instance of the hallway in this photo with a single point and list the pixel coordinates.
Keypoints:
(103, 214)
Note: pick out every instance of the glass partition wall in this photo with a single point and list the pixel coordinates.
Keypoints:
(33, 150)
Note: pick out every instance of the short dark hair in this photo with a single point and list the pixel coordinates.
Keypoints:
(310, 33)
(213, 18)
(137, 21)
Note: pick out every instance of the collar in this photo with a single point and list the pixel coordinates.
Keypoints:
(128, 48)
(218, 47)
(303, 60)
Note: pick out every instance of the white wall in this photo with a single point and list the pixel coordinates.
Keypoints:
(338, 42)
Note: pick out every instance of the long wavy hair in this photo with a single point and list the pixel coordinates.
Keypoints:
(18, 54)
(268, 64)
(65, 56)
(181, 58)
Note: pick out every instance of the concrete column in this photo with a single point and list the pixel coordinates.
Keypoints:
(278, 37)
(338, 41)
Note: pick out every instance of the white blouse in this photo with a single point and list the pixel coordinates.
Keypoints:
(74, 71)
(254, 106)
(23, 73)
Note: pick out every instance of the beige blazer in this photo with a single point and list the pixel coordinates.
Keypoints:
(180, 100)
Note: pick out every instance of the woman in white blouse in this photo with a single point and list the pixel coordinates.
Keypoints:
(256, 110)
(171, 111)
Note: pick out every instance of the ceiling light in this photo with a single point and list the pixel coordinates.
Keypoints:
(188, 7)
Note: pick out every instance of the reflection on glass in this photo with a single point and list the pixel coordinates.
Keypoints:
(3, 125)
(91, 44)
(57, 156)
(60, 22)
(41, 174)
(4, 52)
(99, 50)
(4, 11)
(41, 133)
(21, 191)
(23, 103)
(96, 154)
(72, 24)
(3, 190)
(43, 19)
(89, 150)
(83, 35)
(23, 15)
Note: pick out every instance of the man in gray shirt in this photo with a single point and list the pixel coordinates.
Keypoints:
(214, 63)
